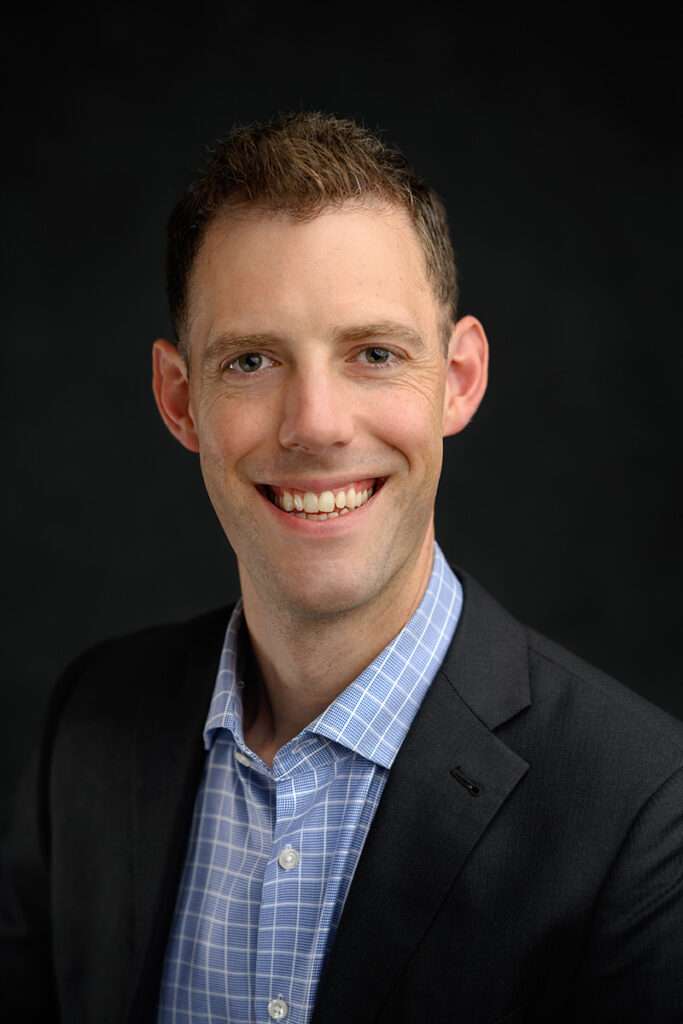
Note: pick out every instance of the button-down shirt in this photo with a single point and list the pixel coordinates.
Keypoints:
(272, 851)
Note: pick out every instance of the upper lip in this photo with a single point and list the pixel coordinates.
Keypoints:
(318, 485)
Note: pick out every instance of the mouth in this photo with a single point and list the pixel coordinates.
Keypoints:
(335, 503)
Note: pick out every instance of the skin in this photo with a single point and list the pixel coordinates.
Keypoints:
(320, 603)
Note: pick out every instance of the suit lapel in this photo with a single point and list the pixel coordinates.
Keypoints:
(166, 773)
(449, 780)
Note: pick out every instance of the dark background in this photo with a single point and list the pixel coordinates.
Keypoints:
(557, 146)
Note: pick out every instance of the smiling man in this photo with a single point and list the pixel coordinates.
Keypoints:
(363, 792)
(317, 382)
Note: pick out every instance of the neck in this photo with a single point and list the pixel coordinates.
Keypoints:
(300, 665)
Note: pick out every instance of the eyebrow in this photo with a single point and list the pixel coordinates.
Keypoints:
(228, 341)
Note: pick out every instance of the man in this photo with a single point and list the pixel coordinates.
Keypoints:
(364, 792)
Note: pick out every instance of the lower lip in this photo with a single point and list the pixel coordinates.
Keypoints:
(320, 527)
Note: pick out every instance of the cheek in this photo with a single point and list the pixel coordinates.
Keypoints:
(228, 430)
(412, 427)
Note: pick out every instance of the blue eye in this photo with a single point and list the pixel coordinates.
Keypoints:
(248, 362)
(378, 352)
(378, 356)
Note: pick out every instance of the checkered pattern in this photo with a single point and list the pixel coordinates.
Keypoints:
(252, 927)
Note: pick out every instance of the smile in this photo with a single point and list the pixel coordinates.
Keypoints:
(322, 505)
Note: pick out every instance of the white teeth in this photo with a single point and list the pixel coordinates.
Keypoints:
(324, 506)
(326, 502)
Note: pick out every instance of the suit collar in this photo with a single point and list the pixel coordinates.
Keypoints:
(488, 661)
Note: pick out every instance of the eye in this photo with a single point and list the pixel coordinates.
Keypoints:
(378, 356)
(248, 363)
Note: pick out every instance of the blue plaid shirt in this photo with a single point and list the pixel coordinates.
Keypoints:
(272, 851)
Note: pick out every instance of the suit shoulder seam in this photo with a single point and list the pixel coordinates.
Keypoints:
(595, 677)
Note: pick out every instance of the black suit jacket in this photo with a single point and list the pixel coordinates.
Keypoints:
(525, 862)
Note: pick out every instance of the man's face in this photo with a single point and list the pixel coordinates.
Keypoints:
(316, 364)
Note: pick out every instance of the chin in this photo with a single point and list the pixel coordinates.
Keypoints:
(325, 601)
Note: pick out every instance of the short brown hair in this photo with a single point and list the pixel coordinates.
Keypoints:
(302, 164)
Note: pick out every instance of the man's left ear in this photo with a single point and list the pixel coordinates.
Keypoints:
(466, 374)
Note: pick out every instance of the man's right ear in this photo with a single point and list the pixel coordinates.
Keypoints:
(171, 387)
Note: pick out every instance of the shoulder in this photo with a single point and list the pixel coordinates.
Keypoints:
(159, 643)
(608, 750)
(600, 703)
(583, 732)
(106, 680)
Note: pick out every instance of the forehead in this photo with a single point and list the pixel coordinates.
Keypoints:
(257, 270)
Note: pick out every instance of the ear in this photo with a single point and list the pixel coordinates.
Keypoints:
(171, 387)
(466, 374)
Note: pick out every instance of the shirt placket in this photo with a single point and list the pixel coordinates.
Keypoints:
(285, 936)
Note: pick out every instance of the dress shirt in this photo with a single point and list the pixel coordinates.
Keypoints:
(272, 851)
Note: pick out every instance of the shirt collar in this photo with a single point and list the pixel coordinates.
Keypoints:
(372, 715)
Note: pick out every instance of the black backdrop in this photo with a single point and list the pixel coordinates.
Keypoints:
(557, 146)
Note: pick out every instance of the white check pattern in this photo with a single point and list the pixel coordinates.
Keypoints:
(252, 926)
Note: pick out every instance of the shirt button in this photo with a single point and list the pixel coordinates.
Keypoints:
(289, 858)
(242, 758)
(277, 1008)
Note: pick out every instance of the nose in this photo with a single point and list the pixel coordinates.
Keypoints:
(317, 412)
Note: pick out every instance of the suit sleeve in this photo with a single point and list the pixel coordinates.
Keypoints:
(27, 977)
(634, 965)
